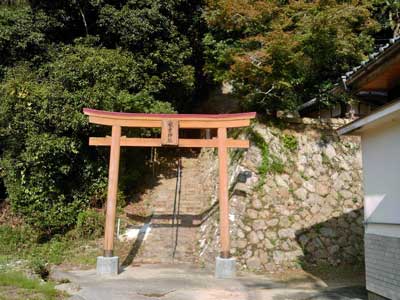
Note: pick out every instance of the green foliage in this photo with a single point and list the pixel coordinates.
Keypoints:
(90, 224)
(218, 56)
(326, 160)
(21, 37)
(26, 288)
(50, 172)
(26, 244)
(14, 241)
(290, 142)
(263, 146)
(161, 34)
(269, 162)
(278, 54)
(387, 12)
(57, 57)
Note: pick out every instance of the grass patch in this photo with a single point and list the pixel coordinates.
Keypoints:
(15, 285)
(23, 244)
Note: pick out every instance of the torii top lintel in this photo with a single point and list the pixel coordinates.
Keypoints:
(170, 125)
(154, 120)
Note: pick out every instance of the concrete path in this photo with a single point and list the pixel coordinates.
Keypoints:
(182, 282)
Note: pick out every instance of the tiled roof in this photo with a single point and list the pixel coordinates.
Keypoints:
(373, 57)
(358, 70)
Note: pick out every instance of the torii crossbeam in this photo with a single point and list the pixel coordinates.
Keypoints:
(170, 125)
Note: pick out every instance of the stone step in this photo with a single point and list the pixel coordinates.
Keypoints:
(176, 214)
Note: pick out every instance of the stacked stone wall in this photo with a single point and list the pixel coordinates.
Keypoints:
(301, 203)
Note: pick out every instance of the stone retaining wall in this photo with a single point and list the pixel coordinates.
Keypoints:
(301, 203)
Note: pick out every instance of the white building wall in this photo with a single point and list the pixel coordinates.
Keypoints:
(381, 171)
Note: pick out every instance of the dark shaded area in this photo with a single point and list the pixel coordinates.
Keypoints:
(342, 293)
(2, 191)
(337, 241)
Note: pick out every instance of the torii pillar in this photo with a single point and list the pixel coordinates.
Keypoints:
(170, 125)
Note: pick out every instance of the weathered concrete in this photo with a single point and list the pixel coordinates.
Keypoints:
(107, 265)
(182, 282)
(225, 267)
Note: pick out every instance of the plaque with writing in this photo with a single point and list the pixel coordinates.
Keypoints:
(170, 132)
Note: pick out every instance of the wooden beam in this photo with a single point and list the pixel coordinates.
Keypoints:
(156, 142)
(184, 123)
(223, 193)
(113, 171)
(125, 123)
(204, 124)
(159, 117)
(212, 143)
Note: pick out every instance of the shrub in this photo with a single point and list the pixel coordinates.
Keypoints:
(90, 224)
(39, 267)
(15, 240)
(50, 172)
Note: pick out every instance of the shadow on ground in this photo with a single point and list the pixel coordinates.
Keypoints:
(354, 292)
(334, 248)
(345, 293)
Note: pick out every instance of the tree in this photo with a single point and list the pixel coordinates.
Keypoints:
(20, 37)
(278, 54)
(49, 171)
(387, 12)
(166, 32)
(61, 56)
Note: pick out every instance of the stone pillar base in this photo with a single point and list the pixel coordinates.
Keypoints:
(107, 265)
(225, 267)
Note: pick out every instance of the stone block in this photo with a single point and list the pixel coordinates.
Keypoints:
(225, 267)
(107, 265)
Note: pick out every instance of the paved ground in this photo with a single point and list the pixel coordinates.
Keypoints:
(182, 282)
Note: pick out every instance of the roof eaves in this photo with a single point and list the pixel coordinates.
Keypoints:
(378, 114)
(351, 76)
(367, 64)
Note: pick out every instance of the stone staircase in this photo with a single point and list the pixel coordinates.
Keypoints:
(179, 202)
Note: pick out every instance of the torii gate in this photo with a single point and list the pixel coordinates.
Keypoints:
(170, 125)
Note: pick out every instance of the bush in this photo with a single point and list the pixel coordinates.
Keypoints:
(90, 224)
(39, 267)
(23, 243)
(20, 36)
(50, 172)
(14, 241)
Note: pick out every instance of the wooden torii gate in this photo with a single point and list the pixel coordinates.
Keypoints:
(170, 125)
